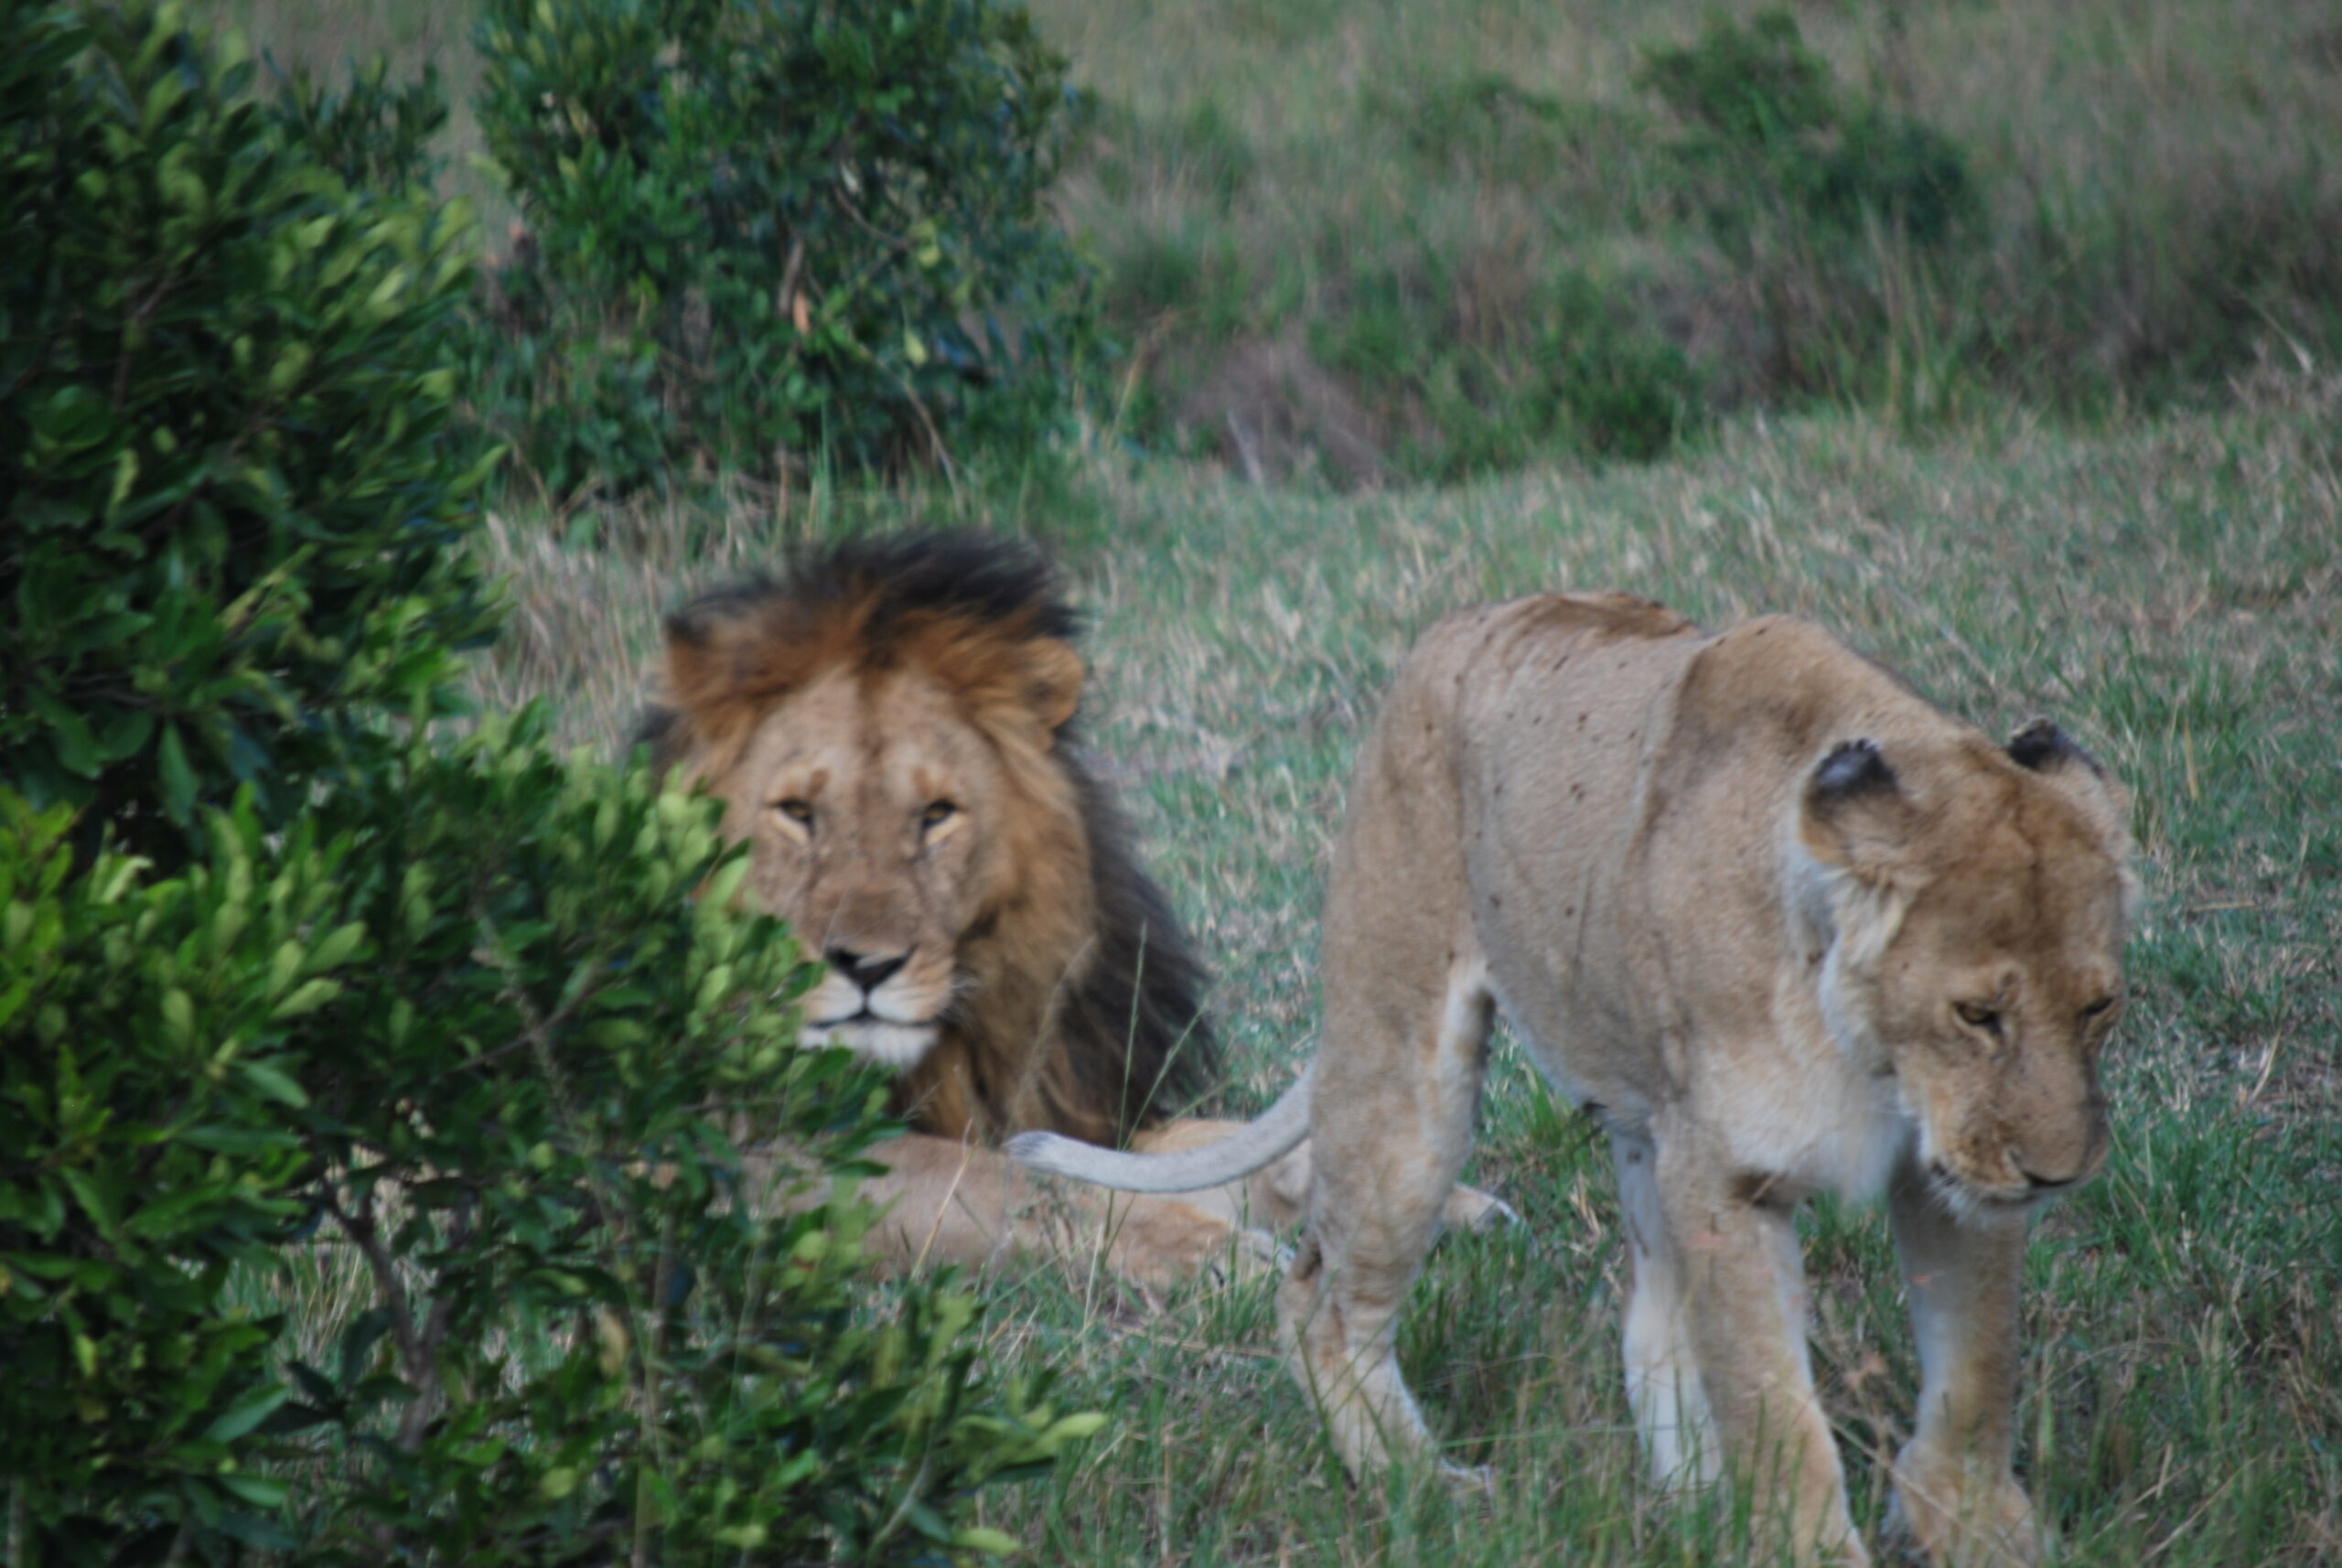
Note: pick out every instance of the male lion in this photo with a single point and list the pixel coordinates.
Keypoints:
(1780, 925)
(892, 730)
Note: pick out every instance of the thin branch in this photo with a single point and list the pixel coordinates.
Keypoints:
(416, 1420)
(360, 1228)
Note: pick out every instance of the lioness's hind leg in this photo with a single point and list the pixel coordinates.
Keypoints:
(1664, 1388)
(1394, 1122)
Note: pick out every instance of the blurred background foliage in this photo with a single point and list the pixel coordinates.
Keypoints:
(1368, 241)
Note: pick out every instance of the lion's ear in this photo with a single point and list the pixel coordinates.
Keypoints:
(1853, 813)
(1053, 674)
(716, 648)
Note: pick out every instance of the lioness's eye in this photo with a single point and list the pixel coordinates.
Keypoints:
(796, 811)
(1977, 1016)
(938, 812)
(2097, 1009)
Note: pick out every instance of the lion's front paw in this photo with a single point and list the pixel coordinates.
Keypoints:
(1160, 1243)
(1963, 1516)
(1470, 1209)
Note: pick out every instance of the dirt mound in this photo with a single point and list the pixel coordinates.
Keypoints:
(1270, 412)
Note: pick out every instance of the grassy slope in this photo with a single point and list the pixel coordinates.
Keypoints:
(1332, 223)
(2170, 591)
(1433, 237)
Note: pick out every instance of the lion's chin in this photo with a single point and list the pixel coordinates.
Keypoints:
(891, 1045)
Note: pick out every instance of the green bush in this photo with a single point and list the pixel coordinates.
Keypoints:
(145, 1073)
(1570, 369)
(487, 1039)
(372, 1183)
(586, 1331)
(1843, 218)
(230, 496)
(764, 232)
(374, 135)
(1768, 130)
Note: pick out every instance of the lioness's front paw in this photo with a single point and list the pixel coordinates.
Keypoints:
(1962, 1516)
(1475, 1483)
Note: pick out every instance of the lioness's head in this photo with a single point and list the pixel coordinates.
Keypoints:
(879, 728)
(1973, 901)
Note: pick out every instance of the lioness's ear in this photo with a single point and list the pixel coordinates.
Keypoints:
(1053, 674)
(2041, 746)
(1853, 806)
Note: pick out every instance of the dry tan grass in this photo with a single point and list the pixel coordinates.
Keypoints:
(1242, 635)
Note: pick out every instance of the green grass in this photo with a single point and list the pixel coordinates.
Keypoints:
(2169, 591)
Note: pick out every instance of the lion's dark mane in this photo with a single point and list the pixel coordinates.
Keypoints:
(1137, 1045)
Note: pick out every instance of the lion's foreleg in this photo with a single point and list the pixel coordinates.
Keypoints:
(1954, 1491)
(948, 1201)
(1745, 1287)
(942, 1200)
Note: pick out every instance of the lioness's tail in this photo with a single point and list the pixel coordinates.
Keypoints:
(1270, 1136)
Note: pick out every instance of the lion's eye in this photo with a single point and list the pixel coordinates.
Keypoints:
(2097, 1009)
(1979, 1015)
(938, 812)
(796, 811)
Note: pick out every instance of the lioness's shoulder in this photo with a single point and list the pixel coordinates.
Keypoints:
(1781, 674)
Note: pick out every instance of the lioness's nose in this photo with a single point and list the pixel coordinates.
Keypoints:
(869, 970)
(2066, 1162)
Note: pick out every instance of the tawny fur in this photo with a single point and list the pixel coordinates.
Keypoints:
(1780, 925)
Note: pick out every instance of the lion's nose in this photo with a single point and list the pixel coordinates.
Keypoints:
(869, 970)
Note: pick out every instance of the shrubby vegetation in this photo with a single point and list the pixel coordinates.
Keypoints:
(231, 486)
(1770, 132)
(584, 1328)
(147, 1067)
(1482, 354)
(763, 235)
(462, 1049)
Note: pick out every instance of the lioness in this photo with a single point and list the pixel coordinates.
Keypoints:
(891, 728)
(1781, 927)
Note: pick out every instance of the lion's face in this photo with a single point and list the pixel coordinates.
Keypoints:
(873, 809)
(903, 810)
(1994, 974)
(890, 727)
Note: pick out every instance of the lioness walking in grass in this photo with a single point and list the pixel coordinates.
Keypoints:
(1781, 927)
